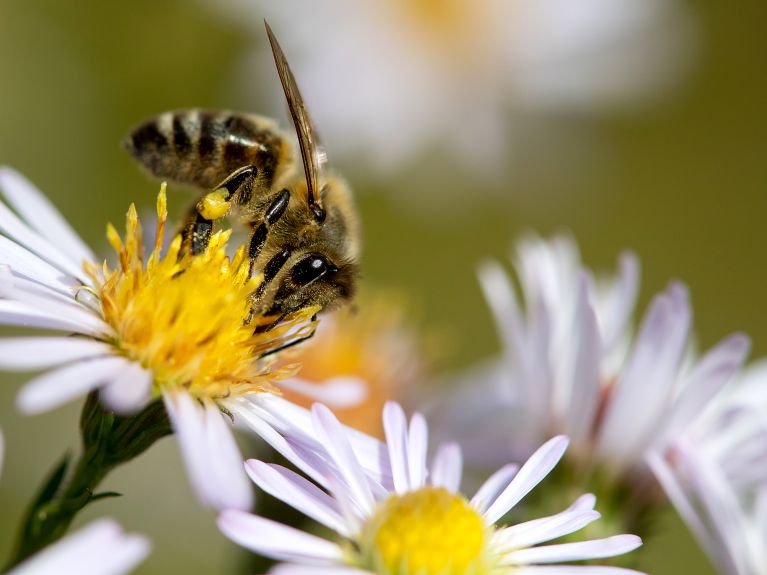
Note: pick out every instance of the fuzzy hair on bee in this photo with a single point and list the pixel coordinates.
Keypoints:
(304, 226)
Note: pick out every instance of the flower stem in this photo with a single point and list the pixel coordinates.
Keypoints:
(108, 441)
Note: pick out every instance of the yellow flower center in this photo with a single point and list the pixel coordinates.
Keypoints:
(188, 318)
(426, 532)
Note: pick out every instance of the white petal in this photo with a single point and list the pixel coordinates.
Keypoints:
(531, 474)
(395, 429)
(22, 315)
(418, 439)
(530, 533)
(33, 353)
(12, 226)
(211, 456)
(338, 392)
(67, 383)
(297, 492)
(276, 540)
(492, 488)
(574, 570)
(99, 548)
(33, 206)
(447, 467)
(27, 264)
(332, 436)
(130, 391)
(596, 549)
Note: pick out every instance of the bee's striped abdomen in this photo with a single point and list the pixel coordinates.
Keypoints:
(202, 147)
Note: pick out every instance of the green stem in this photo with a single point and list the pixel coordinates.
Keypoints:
(108, 441)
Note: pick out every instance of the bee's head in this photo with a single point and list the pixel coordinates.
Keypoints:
(314, 279)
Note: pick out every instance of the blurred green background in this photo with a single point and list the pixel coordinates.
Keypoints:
(683, 183)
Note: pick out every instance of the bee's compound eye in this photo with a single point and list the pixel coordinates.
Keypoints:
(311, 268)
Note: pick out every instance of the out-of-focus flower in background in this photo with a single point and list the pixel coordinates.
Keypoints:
(100, 548)
(571, 365)
(715, 472)
(397, 79)
(407, 519)
(180, 328)
(371, 345)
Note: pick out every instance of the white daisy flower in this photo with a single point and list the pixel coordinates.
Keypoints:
(411, 519)
(164, 326)
(99, 548)
(396, 78)
(571, 364)
(715, 474)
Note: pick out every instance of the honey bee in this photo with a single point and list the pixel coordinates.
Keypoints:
(304, 227)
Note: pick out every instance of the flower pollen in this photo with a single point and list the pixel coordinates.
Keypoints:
(430, 531)
(189, 318)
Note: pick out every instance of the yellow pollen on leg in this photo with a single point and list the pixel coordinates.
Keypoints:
(214, 205)
(430, 531)
(188, 318)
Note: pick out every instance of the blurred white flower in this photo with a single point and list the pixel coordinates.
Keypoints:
(571, 365)
(171, 327)
(715, 472)
(396, 78)
(99, 548)
(407, 519)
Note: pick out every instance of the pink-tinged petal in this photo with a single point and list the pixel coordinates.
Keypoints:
(338, 392)
(297, 492)
(211, 456)
(64, 384)
(130, 391)
(578, 551)
(493, 486)
(395, 429)
(417, 445)
(530, 533)
(297, 569)
(531, 474)
(99, 548)
(680, 499)
(13, 227)
(447, 468)
(574, 570)
(277, 541)
(499, 294)
(331, 434)
(37, 210)
(643, 393)
(33, 353)
(289, 419)
(620, 307)
(580, 386)
(712, 373)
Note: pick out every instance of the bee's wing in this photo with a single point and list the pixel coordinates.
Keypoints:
(311, 153)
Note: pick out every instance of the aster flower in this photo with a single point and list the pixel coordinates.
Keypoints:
(715, 473)
(395, 78)
(572, 365)
(166, 325)
(99, 548)
(409, 519)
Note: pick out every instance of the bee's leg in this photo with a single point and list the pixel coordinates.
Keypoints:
(292, 342)
(214, 206)
(272, 214)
